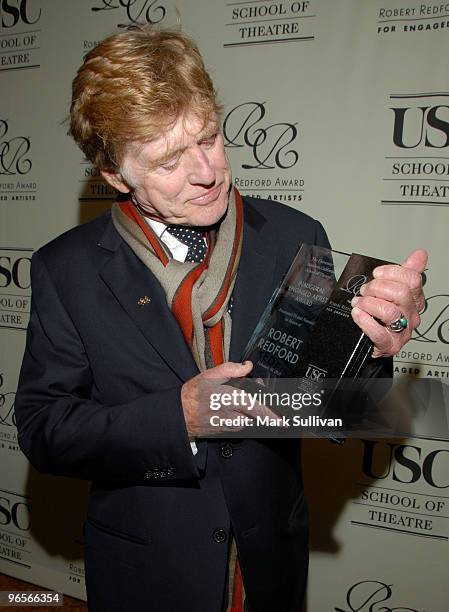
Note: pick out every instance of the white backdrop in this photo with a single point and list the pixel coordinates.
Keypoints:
(339, 108)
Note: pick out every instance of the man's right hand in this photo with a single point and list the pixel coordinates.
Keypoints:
(194, 394)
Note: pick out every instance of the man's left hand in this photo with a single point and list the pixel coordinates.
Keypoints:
(394, 292)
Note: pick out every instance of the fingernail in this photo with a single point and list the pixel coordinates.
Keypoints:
(362, 290)
(355, 300)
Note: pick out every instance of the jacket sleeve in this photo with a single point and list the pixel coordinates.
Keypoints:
(63, 431)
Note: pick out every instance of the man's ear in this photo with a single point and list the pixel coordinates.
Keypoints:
(116, 180)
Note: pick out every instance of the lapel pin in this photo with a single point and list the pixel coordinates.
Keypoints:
(143, 301)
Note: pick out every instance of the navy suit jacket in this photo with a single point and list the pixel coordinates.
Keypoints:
(99, 399)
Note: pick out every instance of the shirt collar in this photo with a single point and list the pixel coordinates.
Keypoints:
(158, 227)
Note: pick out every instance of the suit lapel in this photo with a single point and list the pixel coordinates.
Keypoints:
(142, 297)
(256, 280)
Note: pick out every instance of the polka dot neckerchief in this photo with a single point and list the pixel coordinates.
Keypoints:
(194, 239)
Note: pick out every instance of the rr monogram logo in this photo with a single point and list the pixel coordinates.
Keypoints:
(150, 11)
(268, 143)
(363, 597)
(7, 415)
(354, 283)
(435, 320)
(12, 153)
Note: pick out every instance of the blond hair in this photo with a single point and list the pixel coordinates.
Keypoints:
(133, 86)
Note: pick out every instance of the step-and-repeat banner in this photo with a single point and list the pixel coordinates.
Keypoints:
(339, 108)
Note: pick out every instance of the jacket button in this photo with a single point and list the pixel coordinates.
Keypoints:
(219, 536)
(226, 450)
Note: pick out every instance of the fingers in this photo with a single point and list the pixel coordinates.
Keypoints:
(417, 260)
(390, 290)
(380, 309)
(385, 342)
(234, 411)
(404, 276)
(228, 370)
(263, 411)
(196, 389)
(248, 407)
(387, 301)
(408, 274)
(395, 291)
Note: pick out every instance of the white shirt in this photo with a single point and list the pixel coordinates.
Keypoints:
(178, 250)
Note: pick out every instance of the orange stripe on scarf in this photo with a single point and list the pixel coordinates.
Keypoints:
(237, 595)
(216, 342)
(182, 304)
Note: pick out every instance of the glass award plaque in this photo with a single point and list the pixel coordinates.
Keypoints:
(309, 377)
(306, 333)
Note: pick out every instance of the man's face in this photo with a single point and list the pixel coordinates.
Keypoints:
(182, 177)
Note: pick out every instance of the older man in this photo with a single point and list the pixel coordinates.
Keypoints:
(132, 311)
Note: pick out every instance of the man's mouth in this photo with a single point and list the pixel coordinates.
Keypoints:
(209, 196)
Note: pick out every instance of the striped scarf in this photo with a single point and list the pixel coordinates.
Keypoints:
(196, 293)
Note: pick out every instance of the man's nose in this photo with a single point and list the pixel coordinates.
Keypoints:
(201, 170)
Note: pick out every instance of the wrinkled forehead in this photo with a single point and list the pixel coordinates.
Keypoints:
(181, 133)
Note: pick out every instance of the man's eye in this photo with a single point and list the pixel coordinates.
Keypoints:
(209, 141)
(171, 164)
